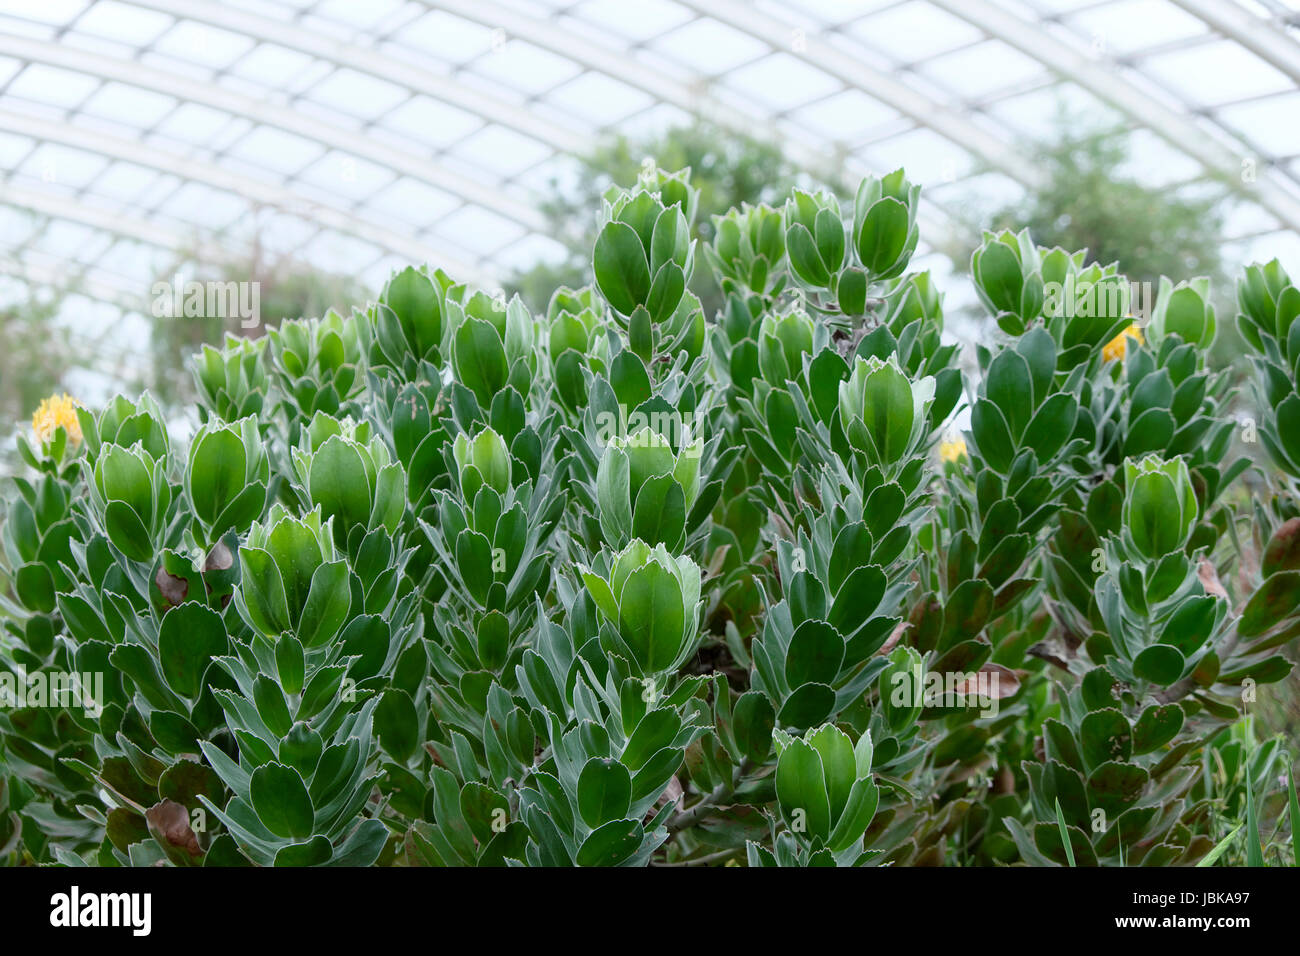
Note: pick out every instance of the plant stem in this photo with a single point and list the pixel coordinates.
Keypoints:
(708, 803)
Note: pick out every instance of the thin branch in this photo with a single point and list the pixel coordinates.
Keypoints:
(708, 803)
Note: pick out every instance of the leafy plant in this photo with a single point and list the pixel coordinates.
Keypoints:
(445, 582)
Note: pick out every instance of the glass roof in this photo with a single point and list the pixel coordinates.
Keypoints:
(138, 137)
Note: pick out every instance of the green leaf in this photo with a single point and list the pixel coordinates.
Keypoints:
(1010, 388)
(992, 435)
(604, 791)
(363, 845)
(1160, 664)
(1114, 786)
(297, 554)
(1220, 848)
(805, 258)
(1283, 551)
(857, 816)
(35, 587)
(808, 705)
(998, 274)
(1051, 426)
(339, 483)
(216, 473)
(611, 844)
(665, 292)
(1277, 599)
(281, 801)
(127, 532)
(415, 301)
(328, 601)
(889, 411)
(814, 655)
(753, 720)
(1156, 727)
(1105, 736)
(1065, 834)
(659, 515)
(1190, 627)
(480, 359)
(271, 705)
(883, 236)
(801, 790)
(188, 638)
(620, 266)
(1254, 849)
(263, 591)
(654, 732)
(474, 562)
(314, 852)
(839, 765)
(397, 724)
(1293, 810)
(651, 616)
(484, 810)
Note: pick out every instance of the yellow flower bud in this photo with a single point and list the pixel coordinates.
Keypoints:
(1117, 347)
(55, 411)
(952, 450)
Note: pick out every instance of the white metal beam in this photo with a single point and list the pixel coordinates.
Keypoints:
(558, 135)
(1269, 190)
(59, 207)
(859, 75)
(252, 190)
(43, 276)
(690, 97)
(1254, 33)
(267, 114)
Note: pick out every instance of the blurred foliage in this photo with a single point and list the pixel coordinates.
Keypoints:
(1089, 201)
(287, 289)
(37, 354)
(728, 168)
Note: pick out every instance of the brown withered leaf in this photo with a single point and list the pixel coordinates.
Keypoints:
(172, 822)
(1001, 681)
(1053, 651)
(1283, 551)
(894, 637)
(174, 590)
(1210, 580)
(219, 558)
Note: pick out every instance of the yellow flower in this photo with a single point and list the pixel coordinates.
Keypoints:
(952, 450)
(1118, 346)
(55, 411)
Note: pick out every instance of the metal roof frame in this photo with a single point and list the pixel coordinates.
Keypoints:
(267, 114)
(569, 30)
(1058, 56)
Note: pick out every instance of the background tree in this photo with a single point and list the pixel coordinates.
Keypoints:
(37, 354)
(1087, 200)
(287, 289)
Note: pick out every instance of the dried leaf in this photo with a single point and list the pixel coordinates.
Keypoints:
(172, 822)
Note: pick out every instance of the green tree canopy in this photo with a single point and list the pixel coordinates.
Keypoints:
(1087, 201)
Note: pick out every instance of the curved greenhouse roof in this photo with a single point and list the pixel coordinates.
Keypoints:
(139, 136)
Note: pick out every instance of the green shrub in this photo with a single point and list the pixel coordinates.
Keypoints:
(443, 582)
